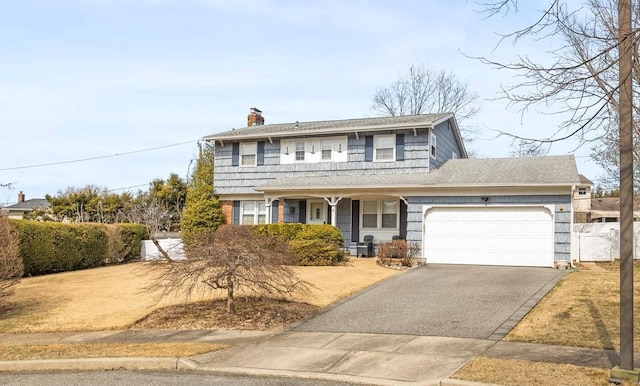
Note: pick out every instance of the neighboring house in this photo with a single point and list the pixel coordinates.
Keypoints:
(582, 200)
(23, 207)
(405, 176)
(588, 209)
(607, 209)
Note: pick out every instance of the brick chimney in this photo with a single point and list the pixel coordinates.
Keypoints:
(255, 117)
(21, 197)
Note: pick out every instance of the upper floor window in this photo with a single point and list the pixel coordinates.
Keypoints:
(300, 151)
(384, 147)
(248, 152)
(313, 150)
(582, 191)
(432, 144)
(327, 146)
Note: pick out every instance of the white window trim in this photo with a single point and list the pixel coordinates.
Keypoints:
(256, 212)
(313, 150)
(433, 151)
(379, 215)
(582, 191)
(381, 137)
(295, 151)
(254, 146)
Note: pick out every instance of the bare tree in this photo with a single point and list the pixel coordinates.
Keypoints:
(232, 258)
(424, 90)
(591, 78)
(524, 148)
(153, 215)
(11, 266)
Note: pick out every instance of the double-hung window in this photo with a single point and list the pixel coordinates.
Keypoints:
(253, 213)
(248, 152)
(300, 145)
(327, 146)
(380, 214)
(390, 213)
(384, 147)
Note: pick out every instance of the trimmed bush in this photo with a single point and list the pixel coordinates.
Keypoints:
(54, 247)
(132, 236)
(310, 244)
(124, 242)
(287, 232)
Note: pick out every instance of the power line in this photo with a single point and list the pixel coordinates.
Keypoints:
(98, 157)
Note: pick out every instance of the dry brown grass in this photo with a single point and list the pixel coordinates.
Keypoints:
(514, 372)
(106, 350)
(113, 297)
(582, 310)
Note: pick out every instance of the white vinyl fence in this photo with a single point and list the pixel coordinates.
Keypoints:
(600, 241)
(173, 247)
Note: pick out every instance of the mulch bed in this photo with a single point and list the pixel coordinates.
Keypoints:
(251, 314)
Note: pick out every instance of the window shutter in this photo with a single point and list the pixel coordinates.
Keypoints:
(302, 217)
(236, 212)
(235, 154)
(260, 156)
(355, 221)
(403, 220)
(274, 211)
(368, 148)
(399, 147)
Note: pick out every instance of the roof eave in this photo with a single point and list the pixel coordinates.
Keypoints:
(340, 130)
(415, 186)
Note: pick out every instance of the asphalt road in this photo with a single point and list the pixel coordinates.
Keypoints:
(437, 300)
(135, 378)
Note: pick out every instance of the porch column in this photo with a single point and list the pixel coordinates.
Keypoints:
(267, 208)
(333, 202)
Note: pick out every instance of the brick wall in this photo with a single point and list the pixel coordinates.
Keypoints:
(227, 210)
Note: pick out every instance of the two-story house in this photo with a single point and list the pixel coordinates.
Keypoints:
(405, 176)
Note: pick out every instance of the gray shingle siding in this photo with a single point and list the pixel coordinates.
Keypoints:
(241, 180)
(562, 218)
(446, 144)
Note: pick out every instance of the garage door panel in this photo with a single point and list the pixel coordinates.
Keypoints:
(489, 235)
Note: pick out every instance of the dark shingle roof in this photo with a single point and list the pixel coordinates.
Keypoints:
(498, 172)
(342, 125)
(30, 204)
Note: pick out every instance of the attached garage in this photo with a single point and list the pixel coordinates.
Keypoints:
(489, 235)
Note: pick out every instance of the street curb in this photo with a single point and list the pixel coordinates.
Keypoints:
(96, 364)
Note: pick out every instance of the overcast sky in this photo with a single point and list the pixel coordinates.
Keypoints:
(81, 79)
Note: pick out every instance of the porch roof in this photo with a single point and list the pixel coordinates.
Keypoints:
(494, 172)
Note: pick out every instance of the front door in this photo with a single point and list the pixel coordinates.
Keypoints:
(316, 212)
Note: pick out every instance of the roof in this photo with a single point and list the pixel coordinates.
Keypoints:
(604, 204)
(29, 204)
(335, 126)
(490, 172)
(584, 180)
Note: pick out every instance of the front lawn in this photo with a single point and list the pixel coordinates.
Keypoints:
(113, 297)
(582, 310)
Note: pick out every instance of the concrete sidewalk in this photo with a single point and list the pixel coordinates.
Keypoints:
(352, 357)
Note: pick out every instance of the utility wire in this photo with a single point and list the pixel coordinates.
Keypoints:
(95, 158)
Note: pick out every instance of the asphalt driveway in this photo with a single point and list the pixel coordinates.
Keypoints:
(440, 300)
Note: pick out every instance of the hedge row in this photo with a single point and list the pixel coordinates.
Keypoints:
(311, 244)
(48, 247)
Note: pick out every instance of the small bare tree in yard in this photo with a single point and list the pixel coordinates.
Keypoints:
(232, 258)
(11, 266)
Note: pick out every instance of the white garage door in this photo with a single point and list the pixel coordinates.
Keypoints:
(489, 235)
